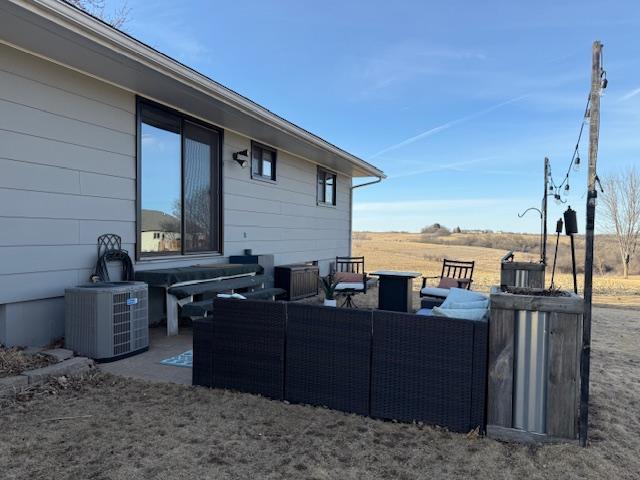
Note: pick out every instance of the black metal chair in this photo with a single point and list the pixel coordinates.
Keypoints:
(351, 278)
(455, 273)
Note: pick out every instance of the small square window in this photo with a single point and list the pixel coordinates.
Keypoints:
(263, 162)
(326, 193)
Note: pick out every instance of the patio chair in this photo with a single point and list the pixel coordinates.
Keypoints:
(455, 273)
(351, 278)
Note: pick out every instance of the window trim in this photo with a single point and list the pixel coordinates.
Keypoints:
(219, 195)
(334, 200)
(274, 163)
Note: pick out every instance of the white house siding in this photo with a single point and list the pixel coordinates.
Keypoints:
(282, 218)
(67, 175)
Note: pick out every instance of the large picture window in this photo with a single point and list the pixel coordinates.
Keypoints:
(179, 184)
(326, 187)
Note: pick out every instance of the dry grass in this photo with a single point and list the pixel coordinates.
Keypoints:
(408, 251)
(14, 361)
(113, 428)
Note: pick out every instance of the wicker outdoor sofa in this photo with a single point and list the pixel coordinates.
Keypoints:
(386, 365)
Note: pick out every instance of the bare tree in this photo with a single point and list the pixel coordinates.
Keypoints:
(621, 204)
(117, 18)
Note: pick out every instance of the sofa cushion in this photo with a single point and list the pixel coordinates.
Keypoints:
(478, 314)
(348, 277)
(471, 304)
(460, 295)
(446, 282)
(349, 286)
(435, 292)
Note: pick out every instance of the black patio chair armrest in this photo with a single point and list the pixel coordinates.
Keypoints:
(424, 280)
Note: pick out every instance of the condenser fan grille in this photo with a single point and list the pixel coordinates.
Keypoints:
(121, 324)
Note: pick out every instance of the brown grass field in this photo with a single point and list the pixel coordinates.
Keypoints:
(410, 252)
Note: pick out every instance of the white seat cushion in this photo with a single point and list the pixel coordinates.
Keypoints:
(231, 295)
(477, 314)
(435, 292)
(460, 295)
(471, 304)
(424, 311)
(350, 286)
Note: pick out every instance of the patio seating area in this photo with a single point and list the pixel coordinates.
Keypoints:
(388, 365)
(401, 355)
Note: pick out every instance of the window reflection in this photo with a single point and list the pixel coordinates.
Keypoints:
(160, 189)
(197, 188)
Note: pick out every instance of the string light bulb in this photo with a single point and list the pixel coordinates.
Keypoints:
(576, 163)
(566, 187)
(557, 199)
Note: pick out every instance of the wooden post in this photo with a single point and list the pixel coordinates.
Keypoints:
(594, 132)
(545, 196)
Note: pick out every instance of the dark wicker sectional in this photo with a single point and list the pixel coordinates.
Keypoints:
(381, 364)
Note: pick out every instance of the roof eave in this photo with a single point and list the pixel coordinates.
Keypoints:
(77, 21)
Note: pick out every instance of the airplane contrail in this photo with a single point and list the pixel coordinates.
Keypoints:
(629, 95)
(445, 126)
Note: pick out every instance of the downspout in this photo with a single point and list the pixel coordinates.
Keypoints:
(351, 189)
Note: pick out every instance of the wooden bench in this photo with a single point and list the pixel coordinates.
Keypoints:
(204, 308)
(217, 286)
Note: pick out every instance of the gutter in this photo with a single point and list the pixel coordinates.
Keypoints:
(351, 189)
(378, 180)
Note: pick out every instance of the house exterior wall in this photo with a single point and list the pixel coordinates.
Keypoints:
(67, 175)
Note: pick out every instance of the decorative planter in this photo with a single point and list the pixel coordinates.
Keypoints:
(535, 339)
(330, 303)
(522, 274)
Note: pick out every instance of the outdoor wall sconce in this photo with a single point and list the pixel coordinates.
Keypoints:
(242, 158)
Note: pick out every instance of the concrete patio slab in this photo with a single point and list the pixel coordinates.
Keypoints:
(147, 366)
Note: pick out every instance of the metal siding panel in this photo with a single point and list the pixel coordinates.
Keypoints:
(34, 93)
(35, 149)
(20, 63)
(22, 203)
(20, 118)
(37, 231)
(29, 176)
(107, 186)
(530, 371)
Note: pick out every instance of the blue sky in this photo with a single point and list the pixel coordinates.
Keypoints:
(458, 102)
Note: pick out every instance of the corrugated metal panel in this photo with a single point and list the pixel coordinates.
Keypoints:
(522, 278)
(530, 371)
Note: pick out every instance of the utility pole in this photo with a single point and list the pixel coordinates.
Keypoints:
(594, 132)
(543, 249)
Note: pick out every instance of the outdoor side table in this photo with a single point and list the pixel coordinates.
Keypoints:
(395, 290)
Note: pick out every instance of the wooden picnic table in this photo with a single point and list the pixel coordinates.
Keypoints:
(165, 278)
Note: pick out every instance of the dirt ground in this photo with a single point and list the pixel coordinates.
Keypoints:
(112, 428)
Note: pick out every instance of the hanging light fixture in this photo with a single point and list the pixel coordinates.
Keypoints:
(576, 163)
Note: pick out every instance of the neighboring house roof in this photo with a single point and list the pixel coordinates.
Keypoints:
(157, 221)
(68, 35)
